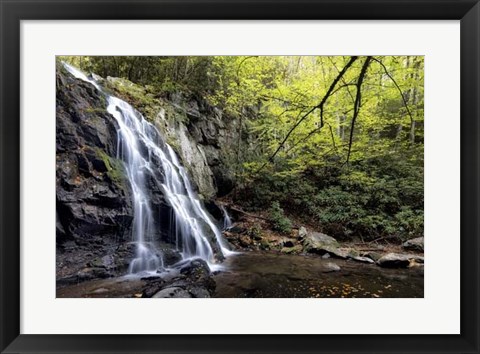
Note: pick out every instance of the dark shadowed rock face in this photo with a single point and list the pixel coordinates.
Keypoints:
(94, 209)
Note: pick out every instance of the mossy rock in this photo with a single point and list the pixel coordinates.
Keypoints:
(94, 110)
(115, 167)
(138, 96)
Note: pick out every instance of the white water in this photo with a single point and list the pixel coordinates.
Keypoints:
(227, 221)
(147, 156)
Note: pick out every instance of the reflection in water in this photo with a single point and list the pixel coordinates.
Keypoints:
(275, 275)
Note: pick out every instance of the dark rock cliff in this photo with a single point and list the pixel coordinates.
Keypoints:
(94, 210)
(94, 200)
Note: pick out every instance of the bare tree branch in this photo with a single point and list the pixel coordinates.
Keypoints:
(358, 102)
(398, 88)
(319, 106)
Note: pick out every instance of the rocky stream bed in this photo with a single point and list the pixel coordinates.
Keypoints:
(263, 274)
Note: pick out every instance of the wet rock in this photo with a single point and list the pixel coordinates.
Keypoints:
(171, 256)
(198, 272)
(172, 293)
(414, 244)
(93, 203)
(153, 287)
(331, 267)
(363, 259)
(398, 260)
(214, 209)
(193, 279)
(375, 256)
(199, 292)
(197, 267)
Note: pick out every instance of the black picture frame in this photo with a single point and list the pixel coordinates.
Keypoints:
(14, 11)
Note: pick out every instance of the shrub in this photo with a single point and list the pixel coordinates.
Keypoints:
(278, 219)
(374, 198)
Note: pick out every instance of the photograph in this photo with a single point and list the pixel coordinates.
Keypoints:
(240, 176)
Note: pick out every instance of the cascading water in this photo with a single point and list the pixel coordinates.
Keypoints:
(144, 152)
(227, 221)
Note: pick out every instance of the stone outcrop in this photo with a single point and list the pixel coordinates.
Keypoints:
(93, 200)
(414, 244)
(94, 211)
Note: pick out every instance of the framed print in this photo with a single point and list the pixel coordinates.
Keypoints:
(269, 176)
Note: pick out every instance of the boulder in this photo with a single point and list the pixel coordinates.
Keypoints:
(324, 245)
(193, 279)
(173, 292)
(316, 242)
(414, 244)
(398, 260)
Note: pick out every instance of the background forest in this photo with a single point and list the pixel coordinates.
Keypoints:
(333, 142)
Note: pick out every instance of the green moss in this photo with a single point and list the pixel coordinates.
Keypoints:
(138, 96)
(173, 142)
(94, 110)
(115, 168)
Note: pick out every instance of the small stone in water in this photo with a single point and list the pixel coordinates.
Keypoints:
(331, 267)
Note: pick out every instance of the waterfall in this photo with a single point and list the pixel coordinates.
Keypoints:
(147, 156)
(227, 221)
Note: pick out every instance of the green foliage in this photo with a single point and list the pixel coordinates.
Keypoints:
(166, 74)
(142, 98)
(379, 197)
(361, 177)
(278, 219)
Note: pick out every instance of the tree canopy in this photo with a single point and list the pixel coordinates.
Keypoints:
(333, 139)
